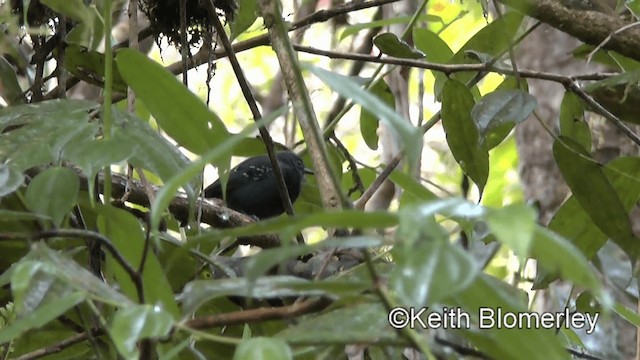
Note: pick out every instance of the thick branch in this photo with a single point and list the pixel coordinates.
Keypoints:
(591, 27)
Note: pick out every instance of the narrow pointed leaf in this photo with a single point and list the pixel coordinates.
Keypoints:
(595, 194)
(462, 134)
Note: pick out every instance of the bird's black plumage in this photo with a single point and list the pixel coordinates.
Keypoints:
(252, 187)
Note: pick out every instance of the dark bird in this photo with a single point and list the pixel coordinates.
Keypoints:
(252, 187)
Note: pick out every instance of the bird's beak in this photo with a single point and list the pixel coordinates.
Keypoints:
(308, 171)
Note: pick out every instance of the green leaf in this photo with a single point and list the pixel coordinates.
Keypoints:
(127, 237)
(196, 293)
(464, 140)
(430, 271)
(88, 65)
(10, 179)
(572, 122)
(368, 323)
(53, 193)
(40, 316)
(266, 259)
(492, 40)
(151, 150)
(595, 193)
(245, 16)
(629, 315)
(262, 348)
(291, 225)
(138, 322)
(502, 107)
(557, 255)
(180, 113)
(92, 155)
(41, 131)
(75, 276)
(90, 31)
(369, 121)
(389, 44)
(513, 225)
(11, 91)
(489, 294)
(573, 223)
(409, 136)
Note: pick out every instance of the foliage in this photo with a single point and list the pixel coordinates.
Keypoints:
(141, 274)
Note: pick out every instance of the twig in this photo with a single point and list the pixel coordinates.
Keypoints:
(332, 197)
(352, 165)
(251, 101)
(568, 81)
(257, 315)
(59, 346)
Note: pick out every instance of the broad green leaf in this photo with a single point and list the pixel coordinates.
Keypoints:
(595, 194)
(88, 65)
(198, 292)
(632, 317)
(11, 91)
(464, 140)
(488, 294)
(429, 271)
(556, 254)
(435, 49)
(291, 225)
(369, 121)
(137, 322)
(10, 179)
(75, 9)
(32, 284)
(180, 113)
(245, 16)
(502, 107)
(151, 151)
(492, 39)
(513, 225)
(572, 122)
(41, 131)
(40, 316)
(262, 348)
(75, 276)
(389, 44)
(411, 187)
(407, 135)
(92, 155)
(368, 323)
(53, 193)
(266, 259)
(573, 223)
(126, 234)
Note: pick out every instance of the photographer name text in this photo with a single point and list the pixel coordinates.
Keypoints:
(490, 318)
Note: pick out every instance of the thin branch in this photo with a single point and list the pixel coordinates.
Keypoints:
(331, 195)
(253, 106)
(59, 346)
(257, 315)
(568, 81)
